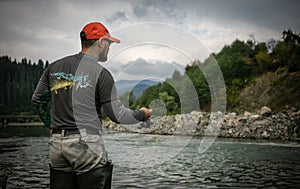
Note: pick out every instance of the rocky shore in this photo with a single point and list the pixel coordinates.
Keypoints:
(263, 124)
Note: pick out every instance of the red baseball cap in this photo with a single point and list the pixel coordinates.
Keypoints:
(96, 30)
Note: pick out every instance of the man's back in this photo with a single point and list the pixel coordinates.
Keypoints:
(76, 91)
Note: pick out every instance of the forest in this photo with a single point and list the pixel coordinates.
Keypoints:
(240, 62)
(18, 81)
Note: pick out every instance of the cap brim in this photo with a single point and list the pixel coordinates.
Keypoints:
(114, 39)
(111, 38)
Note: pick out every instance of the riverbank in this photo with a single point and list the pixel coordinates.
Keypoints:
(263, 124)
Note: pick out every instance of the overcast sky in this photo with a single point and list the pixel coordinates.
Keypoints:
(49, 30)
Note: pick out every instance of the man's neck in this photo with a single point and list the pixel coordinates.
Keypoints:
(90, 53)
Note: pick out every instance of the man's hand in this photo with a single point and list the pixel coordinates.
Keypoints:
(147, 112)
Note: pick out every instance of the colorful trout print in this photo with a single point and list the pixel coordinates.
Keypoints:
(64, 80)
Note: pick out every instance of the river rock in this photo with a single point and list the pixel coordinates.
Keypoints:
(284, 125)
(247, 114)
(265, 135)
(265, 111)
(254, 117)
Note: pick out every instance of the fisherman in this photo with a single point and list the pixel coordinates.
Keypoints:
(78, 87)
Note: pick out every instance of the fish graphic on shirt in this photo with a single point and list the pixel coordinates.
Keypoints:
(65, 81)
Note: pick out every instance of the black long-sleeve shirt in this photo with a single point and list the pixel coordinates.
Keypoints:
(77, 87)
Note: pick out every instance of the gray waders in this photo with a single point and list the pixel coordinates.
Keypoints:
(99, 178)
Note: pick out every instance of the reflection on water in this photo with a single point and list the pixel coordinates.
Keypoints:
(227, 164)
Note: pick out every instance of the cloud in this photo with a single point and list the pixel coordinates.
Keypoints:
(143, 69)
(49, 30)
(35, 29)
(146, 51)
(159, 10)
(271, 14)
(217, 23)
(118, 16)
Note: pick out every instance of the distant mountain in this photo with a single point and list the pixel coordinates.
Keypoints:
(137, 86)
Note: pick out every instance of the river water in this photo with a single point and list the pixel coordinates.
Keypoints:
(227, 163)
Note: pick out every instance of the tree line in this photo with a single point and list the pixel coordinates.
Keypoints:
(18, 81)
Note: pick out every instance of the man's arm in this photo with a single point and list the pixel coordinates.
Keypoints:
(118, 113)
(41, 98)
(109, 100)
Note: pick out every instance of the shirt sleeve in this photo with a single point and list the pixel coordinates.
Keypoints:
(106, 88)
(41, 98)
(118, 113)
(113, 107)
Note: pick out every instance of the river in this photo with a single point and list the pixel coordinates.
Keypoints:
(159, 161)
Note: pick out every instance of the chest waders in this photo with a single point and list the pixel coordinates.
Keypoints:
(99, 178)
